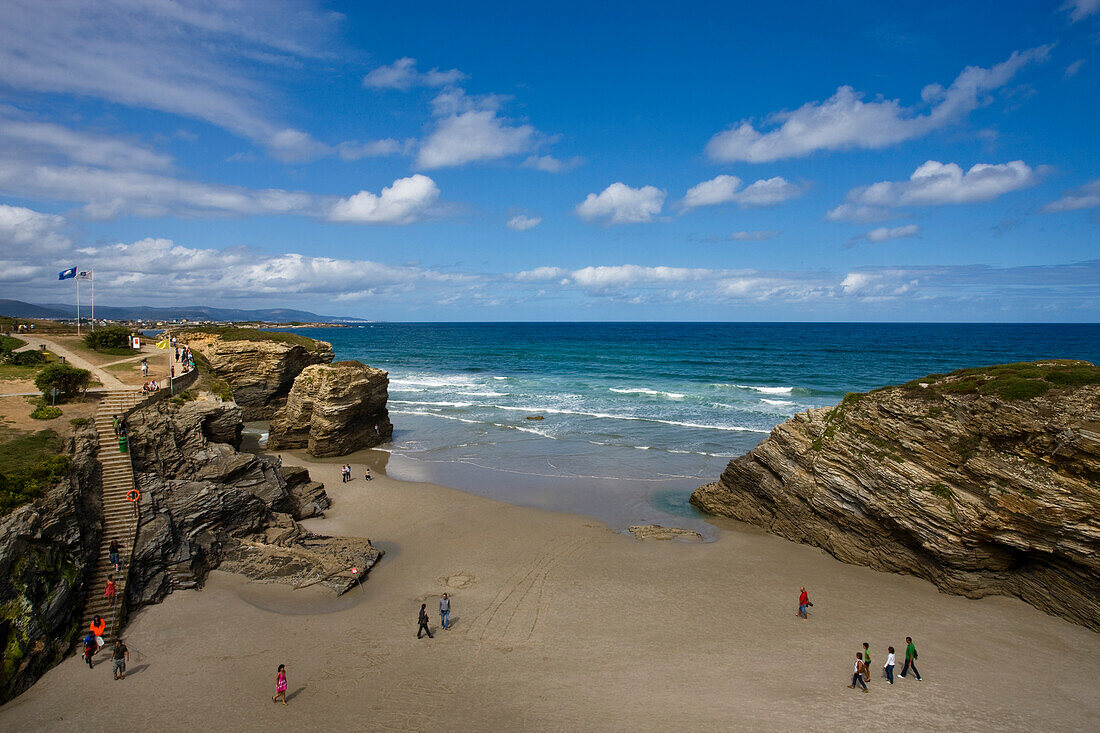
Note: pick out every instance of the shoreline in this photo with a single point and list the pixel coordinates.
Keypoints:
(563, 623)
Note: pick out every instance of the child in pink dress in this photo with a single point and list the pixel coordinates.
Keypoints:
(280, 684)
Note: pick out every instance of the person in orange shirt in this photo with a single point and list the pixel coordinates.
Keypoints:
(98, 626)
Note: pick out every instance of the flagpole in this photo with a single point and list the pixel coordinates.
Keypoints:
(93, 302)
(78, 306)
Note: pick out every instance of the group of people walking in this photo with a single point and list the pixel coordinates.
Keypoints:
(345, 473)
(93, 642)
(861, 674)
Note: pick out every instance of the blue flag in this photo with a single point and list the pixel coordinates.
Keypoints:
(66, 274)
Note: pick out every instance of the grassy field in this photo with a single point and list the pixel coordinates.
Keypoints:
(29, 464)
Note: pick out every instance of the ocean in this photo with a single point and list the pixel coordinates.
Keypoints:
(635, 416)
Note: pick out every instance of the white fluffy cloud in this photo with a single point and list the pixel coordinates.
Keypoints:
(550, 164)
(1085, 197)
(884, 234)
(46, 140)
(404, 202)
(353, 150)
(24, 230)
(935, 183)
(472, 136)
(756, 236)
(846, 121)
(859, 214)
(726, 189)
(621, 204)
(402, 74)
(522, 222)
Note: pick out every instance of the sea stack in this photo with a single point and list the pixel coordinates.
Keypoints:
(259, 366)
(333, 410)
(983, 481)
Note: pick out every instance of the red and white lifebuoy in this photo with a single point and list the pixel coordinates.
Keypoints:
(133, 495)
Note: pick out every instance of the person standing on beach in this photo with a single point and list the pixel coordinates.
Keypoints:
(109, 591)
(803, 602)
(445, 612)
(910, 659)
(857, 673)
(280, 684)
(366, 474)
(112, 555)
(423, 621)
(867, 661)
(120, 655)
(888, 668)
(90, 648)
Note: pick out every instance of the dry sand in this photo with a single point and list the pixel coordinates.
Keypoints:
(563, 624)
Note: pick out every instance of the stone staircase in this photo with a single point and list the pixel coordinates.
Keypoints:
(119, 514)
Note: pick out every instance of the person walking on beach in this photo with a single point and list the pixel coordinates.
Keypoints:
(280, 684)
(366, 474)
(89, 648)
(112, 555)
(97, 628)
(344, 474)
(120, 655)
(867, 661)
(109, 591)
(888, 668)
(445, 612)
(423, 621)
(857, 673)
(803, 602)
(910, 659)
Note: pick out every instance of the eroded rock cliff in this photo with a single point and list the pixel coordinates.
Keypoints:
(333, 410)
(259, 366)
(984, 481)
(46, 552)
(204, 503)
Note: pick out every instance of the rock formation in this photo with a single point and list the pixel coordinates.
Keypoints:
(259, 370)
(984, 481)
(47, 550)
(333, 410)
(204, 503)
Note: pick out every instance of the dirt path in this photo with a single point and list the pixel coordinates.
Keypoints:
(104, 377)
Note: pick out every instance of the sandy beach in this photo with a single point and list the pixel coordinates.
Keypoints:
(561, 623)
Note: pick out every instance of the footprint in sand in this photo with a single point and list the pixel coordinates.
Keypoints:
(458, 580)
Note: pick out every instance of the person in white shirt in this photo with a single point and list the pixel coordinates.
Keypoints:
(857, 674)
(888, 668)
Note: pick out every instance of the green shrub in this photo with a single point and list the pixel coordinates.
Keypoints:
(46, 412)
(27, 358)
(68, 380)
(79, 422)
(109, 339)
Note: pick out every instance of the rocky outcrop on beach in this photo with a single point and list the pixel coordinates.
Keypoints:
(983, 481)
(658, 532)
(333, 410)
(205, 503)
(47, 550)
(260, 370)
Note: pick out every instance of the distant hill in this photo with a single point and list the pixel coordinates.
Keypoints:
(19, 309)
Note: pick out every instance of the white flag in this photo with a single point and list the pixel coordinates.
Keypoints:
(84, 275)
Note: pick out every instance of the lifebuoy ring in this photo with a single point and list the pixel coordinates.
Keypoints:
(133, 495)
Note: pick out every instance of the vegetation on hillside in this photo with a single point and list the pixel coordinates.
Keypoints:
(1019, 381)
(110, 340)
(234, 333)
(29, 464)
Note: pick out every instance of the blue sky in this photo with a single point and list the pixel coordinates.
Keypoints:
(614, 161)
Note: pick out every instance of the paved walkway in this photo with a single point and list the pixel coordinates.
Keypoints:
(104, 377)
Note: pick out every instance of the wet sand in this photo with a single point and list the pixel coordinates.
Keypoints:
(561, 623)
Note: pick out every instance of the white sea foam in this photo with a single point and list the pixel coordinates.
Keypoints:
(766, 390)
(430, 380)
(608, 416)
(484, 394)
(431, 404)
(780, 403)
(647, 391)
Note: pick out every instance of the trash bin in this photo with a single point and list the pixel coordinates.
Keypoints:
(122, 444)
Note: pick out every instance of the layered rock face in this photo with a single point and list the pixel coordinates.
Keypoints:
(333, 410)
(260, 372)
(984, 481)
(204, 503)
(46, 551)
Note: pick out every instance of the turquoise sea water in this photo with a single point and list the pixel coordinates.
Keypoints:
(636, 416)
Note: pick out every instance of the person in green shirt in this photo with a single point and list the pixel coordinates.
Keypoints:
(867, 659)
(910, 659)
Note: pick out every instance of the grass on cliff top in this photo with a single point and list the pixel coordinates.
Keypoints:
(234, 333)
(29, 464)
(1019, 381)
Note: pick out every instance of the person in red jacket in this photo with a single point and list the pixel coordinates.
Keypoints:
(803, 602)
